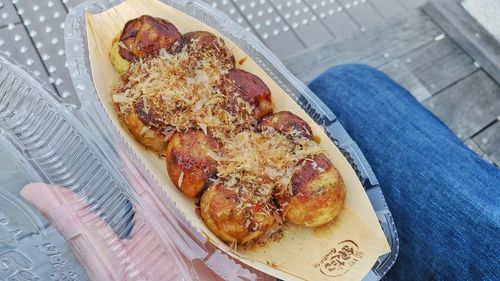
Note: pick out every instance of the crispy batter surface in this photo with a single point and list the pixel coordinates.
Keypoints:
(199, 42)
(151, 138)
(317, 193)
(236, 215)
(188, 162)
(287, 123)
(241, 84)
(146, 36)
(254, 170)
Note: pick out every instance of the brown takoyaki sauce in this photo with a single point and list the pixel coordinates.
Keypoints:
(309, 169)
(183, 98)
(241, 84)
(199, 42)
(242, 60)
(287, 123)
(146, 36)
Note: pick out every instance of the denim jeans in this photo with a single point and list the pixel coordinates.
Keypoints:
(445, 200)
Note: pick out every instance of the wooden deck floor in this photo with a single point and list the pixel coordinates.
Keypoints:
(415, 52)
(311, 36)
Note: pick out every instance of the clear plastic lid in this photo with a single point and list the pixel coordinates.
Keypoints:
(108, 214)
(30, 248)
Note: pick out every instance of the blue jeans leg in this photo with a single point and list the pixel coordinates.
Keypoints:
(444, 198)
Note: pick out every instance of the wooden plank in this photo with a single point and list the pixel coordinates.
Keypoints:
(468, 33)
(388, 8)
(469, 105)
(439, 64)
(387, 41)
(362, 12)
(486, 13)
(400, 73)
(488, 141)
(224, 6)
(284, 45)
(300, 17)
(470, 143)
(334, 17)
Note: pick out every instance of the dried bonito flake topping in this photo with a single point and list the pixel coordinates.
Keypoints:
(236, 216)
(189, 164)
(199, 42)
(180, 89)
(265, 159)
(182, 97)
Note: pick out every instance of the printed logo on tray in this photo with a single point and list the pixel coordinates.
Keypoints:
(339, 260)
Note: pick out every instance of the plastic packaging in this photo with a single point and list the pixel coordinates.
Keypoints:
(77, 147)
(92, 113)
(42, 142)
(30, 249)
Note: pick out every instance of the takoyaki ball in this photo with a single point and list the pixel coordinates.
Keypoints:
(200, 42)
(152, 137)
(188, 162)
(318, 193)
(149, 113)
(145, 36)
(250, 88)
(287, 123)
(235, 216)
(121, 65)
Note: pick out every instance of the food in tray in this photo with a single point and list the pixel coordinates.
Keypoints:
(200, 42)
(239, 84)
(287, 123)
(182, 97)
(145, 126)
(317, 193)
(189, 163)
(143, 37)
(237, 214)
(146, 36)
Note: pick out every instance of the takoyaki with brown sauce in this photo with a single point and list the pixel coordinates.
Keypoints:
(202, 43)
(189, 163)
(248, 197)
(146, 127)
(316, 194)
(144, 37)
(287, 123)
(235, 215)
(251, 89)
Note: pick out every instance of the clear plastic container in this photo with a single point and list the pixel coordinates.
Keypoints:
(42, 142)
(93, 115)
(30, 248)
(44, 139)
